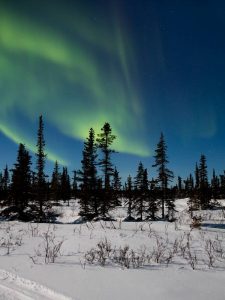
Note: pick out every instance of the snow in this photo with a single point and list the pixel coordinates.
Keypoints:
(25, 275)
(14, 287)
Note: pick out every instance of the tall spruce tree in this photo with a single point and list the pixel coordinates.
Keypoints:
(55, 185)
(21, 179)
(204, 192)
(89, 205)
(104, 141)
(164, 174)
(40, 166)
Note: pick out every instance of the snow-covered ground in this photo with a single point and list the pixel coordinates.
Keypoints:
(174, 262)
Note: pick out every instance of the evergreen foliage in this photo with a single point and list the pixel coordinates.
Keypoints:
(5, 186)
(65, 191)
(41, 186)
(164, 174)
(215, 186)
(141, 189)
(129, 196)
(203, 192)
(55, 186)
(105, 140)
(88, 178)
(116, 187)
(152, 204)
(98, 193)
(21, 179)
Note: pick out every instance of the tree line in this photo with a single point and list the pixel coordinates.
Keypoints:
(28, 194)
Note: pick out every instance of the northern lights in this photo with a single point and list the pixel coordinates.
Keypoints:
(142, 66)
(36, 60)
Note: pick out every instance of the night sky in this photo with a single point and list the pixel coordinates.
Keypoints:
(143, 66)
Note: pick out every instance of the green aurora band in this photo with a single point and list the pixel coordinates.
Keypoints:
(76, 82)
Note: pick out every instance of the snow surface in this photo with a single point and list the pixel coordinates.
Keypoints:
(24, 274)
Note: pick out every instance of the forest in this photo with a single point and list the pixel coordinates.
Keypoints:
(27, 193)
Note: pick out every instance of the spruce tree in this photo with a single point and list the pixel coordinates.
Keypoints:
(140, 191)
(21, 179)
(179, 187)
(204, 192)
(215, 186)
(170, 204)
(6, 185)
(164, 174)
(55, 184)
(191, 191)
(105, 140)
(65, 186)
(196, 176)
(152, 205)
(89, 205)
(148, 195)
(74, 185)
(129, 195)
(116, 186)
(40, 166)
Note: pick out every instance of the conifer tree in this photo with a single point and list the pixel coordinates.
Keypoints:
(192, 191)
(129, 195)
(152, 205)
(105, 140)
(164, 174)
(197, 180)
(215, 186)
(204, 192)
(65, 186)
(189, 185)
(140, 191)
(5, 182)
(74, 185)
(116, 186)
(55, 185)
(222, 186)
(170, 204)
(21, 179)
(180, 188)
(89, 205)
(40, 166)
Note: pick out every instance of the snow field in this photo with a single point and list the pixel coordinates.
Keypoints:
(177, 262)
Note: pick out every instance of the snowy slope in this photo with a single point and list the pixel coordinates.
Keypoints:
(25, 275)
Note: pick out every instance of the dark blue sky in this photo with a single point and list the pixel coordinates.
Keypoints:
(144, 66)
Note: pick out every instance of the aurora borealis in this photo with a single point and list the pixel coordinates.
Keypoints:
(142, 66)
(47, 72)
